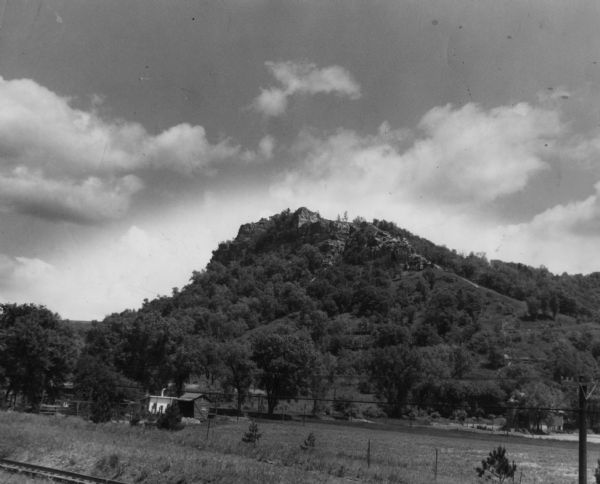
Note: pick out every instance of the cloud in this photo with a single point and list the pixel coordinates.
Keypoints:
(88, 201)
(446, 179)
(266, 146)
(464, 156)
(18, 274)
(271, 102)
(303, 78)
(562, 238)
(62, 163)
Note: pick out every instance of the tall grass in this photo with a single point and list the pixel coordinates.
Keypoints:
(148, 455)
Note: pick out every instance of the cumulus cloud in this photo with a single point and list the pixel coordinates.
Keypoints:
(562, 238)
(87, 201)
(59, 162)
(303, 78)
(464, 156)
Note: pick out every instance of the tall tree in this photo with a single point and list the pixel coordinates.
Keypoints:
(99, 383)
(394, 371)
(284, 362)
(238, 369)
(38, 351)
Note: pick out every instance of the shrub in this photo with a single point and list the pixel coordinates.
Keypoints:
(110, 465)
(309, 442)
(253, 435)
(171, 419)
(497, 466)
(134, 419)
(373, 411)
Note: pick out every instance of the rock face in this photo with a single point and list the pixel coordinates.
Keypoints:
(334, 239)
(304, 216)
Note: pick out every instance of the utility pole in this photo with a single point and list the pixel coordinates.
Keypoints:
(582, 431)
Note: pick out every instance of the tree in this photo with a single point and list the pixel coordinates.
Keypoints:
(395, 370)
(321, 378)
(497, 466)
(539, 398)
(284, 361)
(441, 311)
(533, 307)
(38, 351)
(171, 419)
(238, 369)
(99, 383)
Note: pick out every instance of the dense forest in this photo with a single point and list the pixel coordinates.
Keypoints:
(298, 305)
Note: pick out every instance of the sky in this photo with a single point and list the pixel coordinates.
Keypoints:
(136, 135)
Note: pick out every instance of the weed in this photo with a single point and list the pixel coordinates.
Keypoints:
(110, 465)
(309, 442)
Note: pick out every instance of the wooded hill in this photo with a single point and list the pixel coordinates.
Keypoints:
(300, 305)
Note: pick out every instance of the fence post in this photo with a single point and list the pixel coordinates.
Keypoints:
(436, 465)
(369, 454)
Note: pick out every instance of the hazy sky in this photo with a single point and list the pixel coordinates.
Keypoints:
(137, 134)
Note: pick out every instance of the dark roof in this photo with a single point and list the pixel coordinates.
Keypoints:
(188, 397)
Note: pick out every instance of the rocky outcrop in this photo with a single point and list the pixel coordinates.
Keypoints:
(333, 238)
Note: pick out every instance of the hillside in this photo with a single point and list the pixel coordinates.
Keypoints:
(350, 306)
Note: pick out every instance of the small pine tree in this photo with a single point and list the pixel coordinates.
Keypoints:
(171, 419)
(309, 442)
(253, 435)
(497, 466)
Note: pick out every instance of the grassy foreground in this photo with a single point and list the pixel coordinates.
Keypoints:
(148, 455)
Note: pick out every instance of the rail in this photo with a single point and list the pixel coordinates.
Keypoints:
(56, 475)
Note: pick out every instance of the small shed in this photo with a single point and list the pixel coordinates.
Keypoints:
(194, 405)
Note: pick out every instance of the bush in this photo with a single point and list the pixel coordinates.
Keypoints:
(135, 419)
(171, 419)
(110, 465)
(309, 442)
(497, 466)
(373, 411)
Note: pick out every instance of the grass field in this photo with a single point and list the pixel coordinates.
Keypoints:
(401, 455)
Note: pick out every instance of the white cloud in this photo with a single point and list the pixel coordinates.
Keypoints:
(87, 201)
(466, 156)
(303, 78)
(444, 184)
(59, 162)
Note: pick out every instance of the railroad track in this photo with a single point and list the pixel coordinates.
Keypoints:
(52, 474)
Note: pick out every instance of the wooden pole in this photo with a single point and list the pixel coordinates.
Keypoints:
(582, 433)
(304, 414)
(436, 464)
(369, 454)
